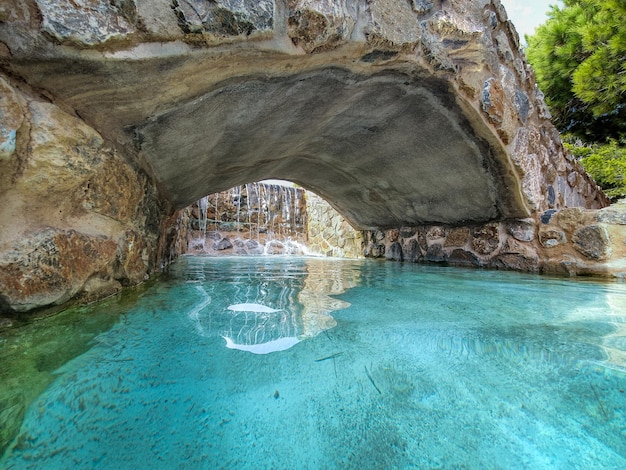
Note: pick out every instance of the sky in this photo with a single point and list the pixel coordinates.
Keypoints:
(526, 15)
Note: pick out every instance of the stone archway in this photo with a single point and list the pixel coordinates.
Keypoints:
(398, 113)
(387, 149)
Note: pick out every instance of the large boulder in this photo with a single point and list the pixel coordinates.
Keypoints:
(75, 218)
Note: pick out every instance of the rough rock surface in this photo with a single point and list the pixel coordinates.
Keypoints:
(570, 242)
(328, 233)
(264, 218)
(401, 113)
(75, 217)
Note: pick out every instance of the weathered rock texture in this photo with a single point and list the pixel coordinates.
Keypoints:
(568, 242)
(75, 218)
(401, 113)
(328, 233)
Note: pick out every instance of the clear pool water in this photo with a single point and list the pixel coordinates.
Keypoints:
(341, 364)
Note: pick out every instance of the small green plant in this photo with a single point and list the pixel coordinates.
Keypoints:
(606, 163)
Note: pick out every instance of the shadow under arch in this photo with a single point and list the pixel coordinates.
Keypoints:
(389, 149)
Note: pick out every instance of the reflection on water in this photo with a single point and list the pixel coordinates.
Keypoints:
(614, 343)
(271, 309)
(372, 365)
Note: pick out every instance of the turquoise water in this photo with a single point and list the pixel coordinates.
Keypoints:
(342, 364)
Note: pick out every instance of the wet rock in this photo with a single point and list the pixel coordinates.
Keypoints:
(98, 287)
(223, 244)
(51, 266)
(593, 241)
(216, 235)
(254, 247)
(274, 247)
(412, 252)
(517, 256)
(516, 262)
(252, 244)
(435, 254)
(394, 252)
(460, 257)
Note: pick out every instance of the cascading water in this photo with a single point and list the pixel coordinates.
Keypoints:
(199, 241)
(255, 218)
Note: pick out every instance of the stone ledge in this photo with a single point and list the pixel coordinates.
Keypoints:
(570, 242)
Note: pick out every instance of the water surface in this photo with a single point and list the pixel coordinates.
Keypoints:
(308, 363)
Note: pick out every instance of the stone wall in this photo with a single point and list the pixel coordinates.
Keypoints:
(76, 220)
(568, 242)
(328, 232)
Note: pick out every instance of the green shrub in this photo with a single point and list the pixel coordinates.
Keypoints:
(606, 163)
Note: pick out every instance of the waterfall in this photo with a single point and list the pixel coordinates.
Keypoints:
(203, 205)
(236, 198)
(254, 218)
(217, 217)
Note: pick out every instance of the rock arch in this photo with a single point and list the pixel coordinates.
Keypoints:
(400, 113)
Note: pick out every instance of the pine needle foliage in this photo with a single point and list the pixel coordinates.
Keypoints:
(579, 57)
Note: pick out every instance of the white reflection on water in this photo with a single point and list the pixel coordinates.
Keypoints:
(269, 317)
(280, 344)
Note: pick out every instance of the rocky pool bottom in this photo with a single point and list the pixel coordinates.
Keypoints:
(313, 363)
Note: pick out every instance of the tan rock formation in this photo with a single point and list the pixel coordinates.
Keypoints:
(74, 216)
(400, 113)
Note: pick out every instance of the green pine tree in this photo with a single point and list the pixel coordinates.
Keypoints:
(579, 57)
